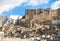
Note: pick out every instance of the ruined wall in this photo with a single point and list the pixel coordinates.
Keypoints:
(29, 14)
(0, 23)
(40, 13)
(1, 19)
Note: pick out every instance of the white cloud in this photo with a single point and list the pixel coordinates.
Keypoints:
(55, 5)
(6, 5)
(37, 2)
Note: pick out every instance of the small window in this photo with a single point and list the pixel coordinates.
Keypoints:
(27, 12)
(41, 11)
(48, 11)
(38, 12)
(34, 12)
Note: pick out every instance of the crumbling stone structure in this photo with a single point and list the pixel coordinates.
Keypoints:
(40, 14)
(37, 23)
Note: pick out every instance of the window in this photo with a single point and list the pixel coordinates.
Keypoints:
(41, 11)
(27, 12)
(34, 12)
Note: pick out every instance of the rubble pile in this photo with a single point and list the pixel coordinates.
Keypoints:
(42, 31)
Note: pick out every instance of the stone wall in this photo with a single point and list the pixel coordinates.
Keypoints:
(40, 14)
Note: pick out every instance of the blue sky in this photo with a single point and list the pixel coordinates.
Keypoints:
(19, 8)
